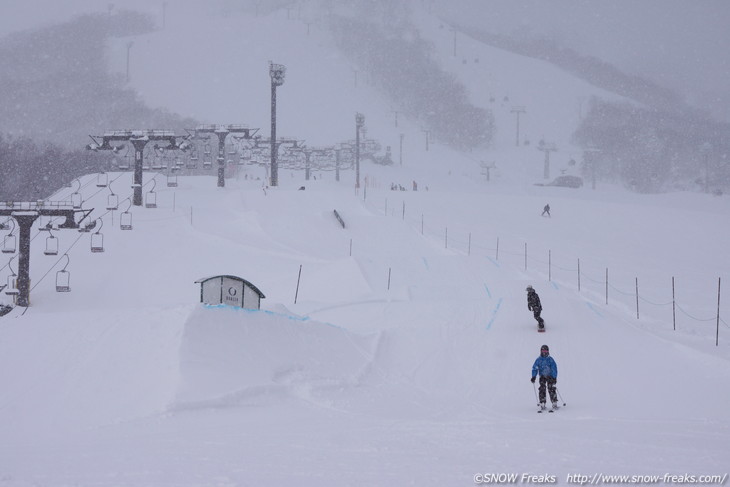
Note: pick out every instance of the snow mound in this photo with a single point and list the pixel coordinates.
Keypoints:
(234, 357)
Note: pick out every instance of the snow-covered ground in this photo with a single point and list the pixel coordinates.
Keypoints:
(402, 355)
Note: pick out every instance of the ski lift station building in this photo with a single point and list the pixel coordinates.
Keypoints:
(230, 290)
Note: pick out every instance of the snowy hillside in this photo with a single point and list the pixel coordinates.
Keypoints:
(394, 351)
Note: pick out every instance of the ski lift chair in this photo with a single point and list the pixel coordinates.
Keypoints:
(97, 242)
(63, 278)
(112, 201)
(44, 227)
(102, 180)
(125, 219)
(11, 288)
(207, 163)
(97, 239)
(10, 244)
(76, 198)
(88, 227)
(124, 164)
(51, 244)
(150, 199)
(192, 161)
(172, 180)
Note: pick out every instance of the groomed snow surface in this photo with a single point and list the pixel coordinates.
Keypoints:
(405, 360)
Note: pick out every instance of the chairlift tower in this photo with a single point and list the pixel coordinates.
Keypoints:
(359, 124)
(547, 148)
(590, 155)
(323, 154)
(139, 139)
(222, 132)
(277, 73)
(25, 214)
(517, 111)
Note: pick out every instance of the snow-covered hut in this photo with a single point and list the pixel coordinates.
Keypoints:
(230, 290)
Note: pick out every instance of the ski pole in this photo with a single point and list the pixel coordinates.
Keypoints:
(535, 390)
(560, 395)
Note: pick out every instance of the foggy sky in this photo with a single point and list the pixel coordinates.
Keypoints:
(680, 44)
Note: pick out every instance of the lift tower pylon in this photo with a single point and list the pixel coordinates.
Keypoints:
(25, 214)
(139, 139)
(222, 132)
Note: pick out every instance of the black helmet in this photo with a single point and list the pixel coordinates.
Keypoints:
(545, 347)
(529, 288)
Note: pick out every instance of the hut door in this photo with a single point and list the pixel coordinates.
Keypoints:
(232, 292)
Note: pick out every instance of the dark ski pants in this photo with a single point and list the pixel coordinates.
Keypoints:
(550, 383)
(536, 312)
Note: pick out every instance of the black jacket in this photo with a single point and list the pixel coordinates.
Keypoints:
(533, 301)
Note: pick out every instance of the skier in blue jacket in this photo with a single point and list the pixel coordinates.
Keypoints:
(548, 370)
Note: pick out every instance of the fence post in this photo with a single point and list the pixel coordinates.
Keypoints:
(717, 332)
(350, 247)
(525, 255)
(389, 278)
(296, 295)
(674, 312)
(550, 265)
(404, 210)
(637, 298)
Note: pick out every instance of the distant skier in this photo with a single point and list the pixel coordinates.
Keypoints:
(546, 367)
(534, 305)
(546, 210)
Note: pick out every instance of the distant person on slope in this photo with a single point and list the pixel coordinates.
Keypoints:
(546, 367)
(533, 304)
(546, 210)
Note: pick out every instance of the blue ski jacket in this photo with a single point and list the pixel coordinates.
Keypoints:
(545, 366)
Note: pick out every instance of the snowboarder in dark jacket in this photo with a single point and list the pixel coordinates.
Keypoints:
(546, 367)
(533, 304)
